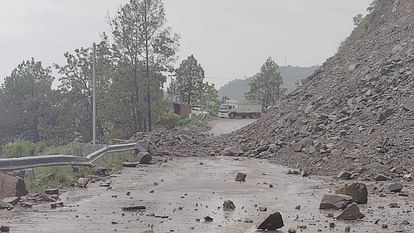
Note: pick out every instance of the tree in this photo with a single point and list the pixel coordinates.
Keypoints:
(26, 101)
(266, 86)
(148, 47)
(188, 87)
(76, 87)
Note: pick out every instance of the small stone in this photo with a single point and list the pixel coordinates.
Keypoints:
(395, 188)
(332, 225)
(297, 207)
(292, 230)
(241, 177)
(52, 191)
(348, 229)
(4, 229)
(208, 219)
(344, 175)
(228, 205)
(381, 177)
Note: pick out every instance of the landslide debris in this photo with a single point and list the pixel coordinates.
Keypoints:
(355, 113)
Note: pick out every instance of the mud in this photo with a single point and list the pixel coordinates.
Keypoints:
(179, 192)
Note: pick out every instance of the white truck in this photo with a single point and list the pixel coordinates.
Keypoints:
(236, 109)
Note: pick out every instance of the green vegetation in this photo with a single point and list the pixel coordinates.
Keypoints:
(133, 62)
(189, 86)
(266, 86)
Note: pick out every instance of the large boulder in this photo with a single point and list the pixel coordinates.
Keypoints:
(351, 213)
(357, 191)
(272, 223)
(335, 202)
(11, 186)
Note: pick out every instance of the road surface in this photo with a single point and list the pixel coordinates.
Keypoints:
(179, 192)
(224, 126)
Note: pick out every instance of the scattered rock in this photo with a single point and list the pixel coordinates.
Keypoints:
(5, 205)
(335, 202)
(52, 191)
(11, 186)
(228, 205)
(146, 158)
(343, 175)
(82, 182)
(381, 177)
(134, 208)
(130, 164)
(208, 219)
(357, 191)
(272, 223)
(11, 200)
(56, 205)
(395, 188)
(241, 177)
(351, 213)
(292, 230)
(4, 229)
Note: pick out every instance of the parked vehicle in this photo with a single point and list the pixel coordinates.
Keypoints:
(235, 109)
(196, 111)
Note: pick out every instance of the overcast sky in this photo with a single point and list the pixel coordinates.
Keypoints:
(230, 38)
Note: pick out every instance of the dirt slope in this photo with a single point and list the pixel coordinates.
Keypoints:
(357, 111)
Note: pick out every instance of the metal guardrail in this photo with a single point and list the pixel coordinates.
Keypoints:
(12, 164)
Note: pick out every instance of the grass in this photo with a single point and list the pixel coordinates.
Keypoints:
(58, 177)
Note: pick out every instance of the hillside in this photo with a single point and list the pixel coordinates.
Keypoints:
(356, 112)
(235, 89)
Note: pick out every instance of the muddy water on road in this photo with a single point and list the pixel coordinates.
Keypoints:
(181, 191)
(188, 189)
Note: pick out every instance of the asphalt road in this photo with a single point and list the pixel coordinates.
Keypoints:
(224, 126)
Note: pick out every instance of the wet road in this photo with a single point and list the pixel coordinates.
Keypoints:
(223, 126)
(186, 189)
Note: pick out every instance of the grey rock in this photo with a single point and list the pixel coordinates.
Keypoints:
(241, 177)
(335, 202)
(357, 191)
(351, 212)
(395, 188)
(272, 223)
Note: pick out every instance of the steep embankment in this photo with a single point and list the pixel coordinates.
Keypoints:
(356, 112)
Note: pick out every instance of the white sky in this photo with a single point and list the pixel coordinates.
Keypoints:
(230, 38)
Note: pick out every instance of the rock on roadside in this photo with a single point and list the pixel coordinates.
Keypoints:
(335, 202)
(357, 191)
(272, 223)
(12, 186)
(351, 213)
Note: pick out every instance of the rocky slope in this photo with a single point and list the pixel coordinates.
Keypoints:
(356, 112)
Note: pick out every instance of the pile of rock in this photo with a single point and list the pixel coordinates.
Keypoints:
(356, 112)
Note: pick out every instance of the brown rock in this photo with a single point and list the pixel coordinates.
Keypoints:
(12, 186)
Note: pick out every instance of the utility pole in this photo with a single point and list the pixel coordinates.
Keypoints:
(94, 93)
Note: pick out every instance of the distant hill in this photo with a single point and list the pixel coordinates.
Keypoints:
(235, 89)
